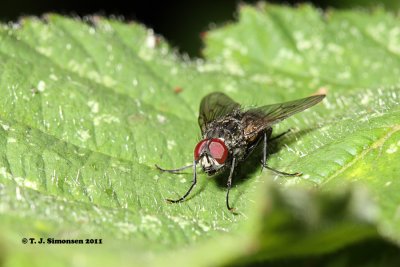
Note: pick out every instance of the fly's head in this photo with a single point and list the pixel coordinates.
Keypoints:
(212, 154)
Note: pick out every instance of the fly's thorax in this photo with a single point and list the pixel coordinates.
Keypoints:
(230, 130)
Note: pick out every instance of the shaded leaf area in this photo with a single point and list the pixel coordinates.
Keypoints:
(372, 252)
(88, 107)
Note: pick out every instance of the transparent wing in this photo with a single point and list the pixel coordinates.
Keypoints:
(258, 119)
(214, 106)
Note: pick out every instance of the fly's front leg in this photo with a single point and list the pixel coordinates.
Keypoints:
(174, 170)
(229, 185)
(190, 188)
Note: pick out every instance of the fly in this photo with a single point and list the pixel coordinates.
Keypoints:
(231, 133)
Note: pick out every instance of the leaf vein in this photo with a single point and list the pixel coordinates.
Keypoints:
(378, 143)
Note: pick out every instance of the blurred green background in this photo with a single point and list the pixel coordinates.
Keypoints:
(180, 22)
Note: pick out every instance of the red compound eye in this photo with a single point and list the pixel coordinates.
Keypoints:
(217, 148)
(199, 148)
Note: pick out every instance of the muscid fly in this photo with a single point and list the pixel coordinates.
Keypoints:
(230, 133)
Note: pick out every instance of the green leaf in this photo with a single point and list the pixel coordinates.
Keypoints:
(88, 107)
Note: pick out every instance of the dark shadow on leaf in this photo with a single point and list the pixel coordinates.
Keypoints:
(369, 253)
(245, 170)
(288, 139)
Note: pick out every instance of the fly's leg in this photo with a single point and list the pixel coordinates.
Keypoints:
(264, 159)
(191, 186)
(282, 173)
(229, 185)
(174, 170)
